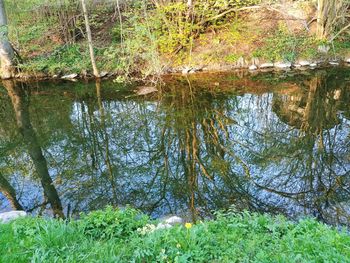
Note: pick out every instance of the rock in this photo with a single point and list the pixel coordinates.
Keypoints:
(255, 61)
(163, 226)
(144, 90)
(9, 216)
(347, 60)
(253, 67)
(323, 49)
(281, 65)
(299, 67)
(186, 70)
(304, 63)
(103, 74)
(266, 65)
(241, 63)
(337, 94)
(173, 220)
(333, 63)
(169, 222)
(84, 73)
(194, 70)
(70, 76)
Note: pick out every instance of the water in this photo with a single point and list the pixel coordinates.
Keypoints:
(277, 143)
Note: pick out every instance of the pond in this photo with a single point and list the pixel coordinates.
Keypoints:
(267, 142)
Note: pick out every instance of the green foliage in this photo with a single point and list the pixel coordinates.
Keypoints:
(168, 30)
(154, 35)
(287, 46)
(113, 236)
(175, 25)
(112, 223)
(237, 32)
(138, 52)
(341, 46)
(71, 58)
(232, 58)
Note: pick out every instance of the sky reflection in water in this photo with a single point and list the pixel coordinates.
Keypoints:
(274, 143)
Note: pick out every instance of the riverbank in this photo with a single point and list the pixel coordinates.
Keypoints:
(184, 71)
(129, 236)
(263, 35)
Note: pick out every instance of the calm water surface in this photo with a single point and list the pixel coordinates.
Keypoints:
(277, 143)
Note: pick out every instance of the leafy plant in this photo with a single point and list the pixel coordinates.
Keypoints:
(112, 223)
(111, 235)
(286, 46)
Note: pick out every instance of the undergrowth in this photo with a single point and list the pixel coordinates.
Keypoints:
(126, 235)
(284, 45)
(149, 37)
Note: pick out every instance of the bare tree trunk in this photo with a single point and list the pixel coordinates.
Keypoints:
(88, 33)
(7, 55)
(21, 109)
(330, 15)
(10, 193)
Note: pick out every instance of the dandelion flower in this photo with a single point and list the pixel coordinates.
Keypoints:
(188, 225)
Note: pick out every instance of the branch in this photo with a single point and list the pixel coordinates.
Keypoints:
(340, 32)
(250, 8)
(230, 11)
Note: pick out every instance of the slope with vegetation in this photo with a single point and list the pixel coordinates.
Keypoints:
(154, 37)
(128, 236)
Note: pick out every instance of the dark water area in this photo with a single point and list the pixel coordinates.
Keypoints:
(276, 143)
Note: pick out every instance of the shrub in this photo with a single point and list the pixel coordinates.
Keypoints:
(112, 223)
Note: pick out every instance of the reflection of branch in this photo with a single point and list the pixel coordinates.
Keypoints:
(245, 166)
(202, 167)
(37, 206)
(284, 194)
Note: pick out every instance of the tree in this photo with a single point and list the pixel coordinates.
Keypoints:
(7, 54)
(88, 33)
(331, 14)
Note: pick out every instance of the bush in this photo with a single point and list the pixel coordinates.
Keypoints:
(112, 223)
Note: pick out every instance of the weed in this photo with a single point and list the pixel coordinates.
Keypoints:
(112, 236)
(286, 46)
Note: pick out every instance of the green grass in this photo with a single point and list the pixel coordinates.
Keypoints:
(72, 58)
(286, 46)
(114, 236)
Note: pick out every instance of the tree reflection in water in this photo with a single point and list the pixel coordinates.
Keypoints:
(194, 147)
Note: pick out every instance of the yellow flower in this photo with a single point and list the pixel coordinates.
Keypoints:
(188, 225)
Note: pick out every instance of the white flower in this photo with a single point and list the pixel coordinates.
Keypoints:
(149, 228)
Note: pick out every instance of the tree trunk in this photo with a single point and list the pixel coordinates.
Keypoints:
(320, 19)
(88, 33)
(21, 109)
(7, 55)
(330, 15)
(9, 192)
